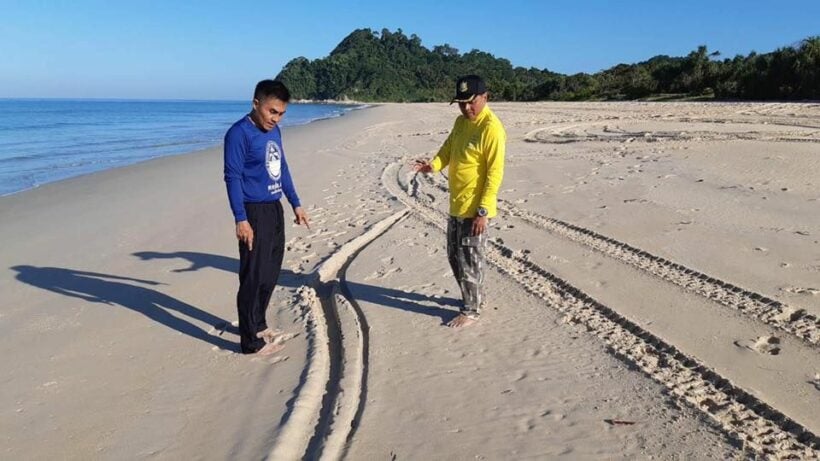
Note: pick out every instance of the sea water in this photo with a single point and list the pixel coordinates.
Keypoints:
(46, 140)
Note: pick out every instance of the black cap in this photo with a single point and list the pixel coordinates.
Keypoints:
(467, 87)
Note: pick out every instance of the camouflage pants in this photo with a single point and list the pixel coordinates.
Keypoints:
(466, 256)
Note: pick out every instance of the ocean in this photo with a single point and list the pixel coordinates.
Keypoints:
(46, 140)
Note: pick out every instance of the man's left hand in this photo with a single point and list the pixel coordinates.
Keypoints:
(301, 217)
(480, 225)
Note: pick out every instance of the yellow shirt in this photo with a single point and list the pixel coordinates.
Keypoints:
(474, 152)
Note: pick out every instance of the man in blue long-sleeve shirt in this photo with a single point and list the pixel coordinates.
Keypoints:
(256, 176)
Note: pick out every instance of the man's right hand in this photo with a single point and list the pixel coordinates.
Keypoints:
(244, 233)
(422, 166)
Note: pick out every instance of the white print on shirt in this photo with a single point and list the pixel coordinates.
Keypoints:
(273, 160)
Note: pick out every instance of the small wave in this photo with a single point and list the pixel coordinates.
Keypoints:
(20, 158)
(38, 127)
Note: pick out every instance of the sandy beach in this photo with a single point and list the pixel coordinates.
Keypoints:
(654, 293)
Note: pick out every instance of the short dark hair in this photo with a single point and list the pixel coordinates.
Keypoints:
(271, 89)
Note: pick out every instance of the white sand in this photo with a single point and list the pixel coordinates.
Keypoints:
(654, 292)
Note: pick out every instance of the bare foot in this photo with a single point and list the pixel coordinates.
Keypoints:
(461, 321)
(267, 334)
(270, 348)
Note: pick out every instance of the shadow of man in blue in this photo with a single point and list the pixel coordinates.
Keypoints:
(111, 290)
(388, 297)
(197, 261)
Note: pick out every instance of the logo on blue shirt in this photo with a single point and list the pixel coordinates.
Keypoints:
(273, 160)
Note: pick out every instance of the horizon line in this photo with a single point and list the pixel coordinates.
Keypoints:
(112, 99)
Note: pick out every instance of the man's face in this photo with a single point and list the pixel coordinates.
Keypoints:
(473, 108)
(267, 112)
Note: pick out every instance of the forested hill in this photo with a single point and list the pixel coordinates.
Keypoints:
(389, 66)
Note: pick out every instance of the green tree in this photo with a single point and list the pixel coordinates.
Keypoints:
(390, 66)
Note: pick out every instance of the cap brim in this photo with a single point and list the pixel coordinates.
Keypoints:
(457, 99)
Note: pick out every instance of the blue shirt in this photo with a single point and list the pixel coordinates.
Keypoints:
(255, 167)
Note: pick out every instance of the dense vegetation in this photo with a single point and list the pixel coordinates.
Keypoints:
(368, 66)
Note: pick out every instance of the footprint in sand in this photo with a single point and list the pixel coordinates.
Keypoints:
(382, 273)
(525, 425)
(802, 291)
(769, 345)
(297, 244)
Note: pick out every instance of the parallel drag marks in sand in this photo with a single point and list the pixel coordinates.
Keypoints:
(607, 130)
(795, 321)
(331, 399)
(741, 415)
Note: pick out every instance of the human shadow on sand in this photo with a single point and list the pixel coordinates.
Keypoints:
(389, 297)
(113, 291)
(399, 299)
(197, 261)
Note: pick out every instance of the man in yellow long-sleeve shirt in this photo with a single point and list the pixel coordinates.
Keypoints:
(474, 155)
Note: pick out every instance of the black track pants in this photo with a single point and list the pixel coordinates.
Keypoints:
(259, 271)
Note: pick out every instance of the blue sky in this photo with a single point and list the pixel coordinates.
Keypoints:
(209, 50)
